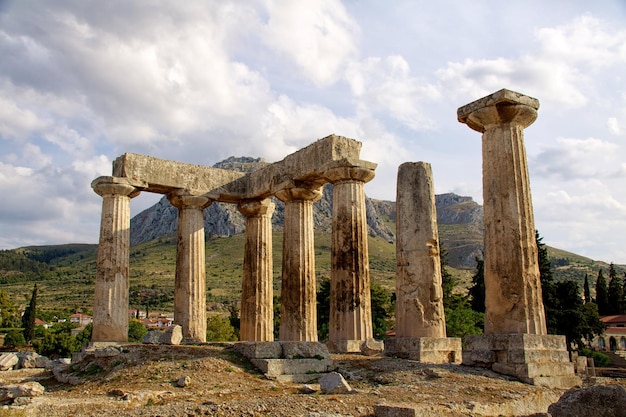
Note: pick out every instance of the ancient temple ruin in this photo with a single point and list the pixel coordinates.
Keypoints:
(297, 181)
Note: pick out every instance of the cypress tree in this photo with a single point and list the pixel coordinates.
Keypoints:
(614, 292)
(602, 299)
(587, 291)
(28, 319)
(477, 290)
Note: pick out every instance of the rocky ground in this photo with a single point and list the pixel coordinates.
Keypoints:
(143, 381)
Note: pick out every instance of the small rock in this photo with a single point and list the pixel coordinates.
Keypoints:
(333, 383)
(183, 381)
(116, 393)
(107, 352)
(307, 389)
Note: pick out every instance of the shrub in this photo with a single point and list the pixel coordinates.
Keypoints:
(219, 329)
(14, 339)
(599, 359)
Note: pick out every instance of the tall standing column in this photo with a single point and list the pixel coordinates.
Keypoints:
(350, 305)
(190, 281)
(512, 284)
(110, 312)
(257, 314)
(419, 303)
(298, 310)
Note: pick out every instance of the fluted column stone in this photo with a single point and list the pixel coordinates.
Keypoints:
(298, 312)
(257, 313)
(110, 313)
(512, 285)
(190, 280)
(350, 302)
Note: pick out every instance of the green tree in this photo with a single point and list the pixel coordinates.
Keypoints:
(477, 290)
(323, 308)
(56, 342)
(586, 290)
(461, 320)
(28, 319)
(8, 311)
(602, 299)
(614, 292)
(219, 329)
(136, 330)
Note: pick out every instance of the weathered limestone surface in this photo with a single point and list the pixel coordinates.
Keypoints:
(534, 359)
(419, 304)
(298, 292)
(350, 311)
(190, 281)
(110, 314)
(426, 349)
(257, 313)
(512, 285)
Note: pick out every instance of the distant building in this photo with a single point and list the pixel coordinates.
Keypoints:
(614, 337)
(40, 322)
(160, 322)
(136, 314)
(81, 320)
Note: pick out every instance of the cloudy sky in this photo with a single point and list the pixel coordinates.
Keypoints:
(82, 82)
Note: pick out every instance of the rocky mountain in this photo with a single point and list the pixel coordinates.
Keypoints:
(460, 218)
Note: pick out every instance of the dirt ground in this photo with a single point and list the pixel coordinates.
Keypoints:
(142, 381)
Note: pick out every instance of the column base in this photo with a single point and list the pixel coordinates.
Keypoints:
(367, 347)
(533, 359)
(425, 349)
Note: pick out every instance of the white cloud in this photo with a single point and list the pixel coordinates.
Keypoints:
(318, 36)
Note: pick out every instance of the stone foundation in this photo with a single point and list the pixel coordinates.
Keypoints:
(534, 359)
(425, 349)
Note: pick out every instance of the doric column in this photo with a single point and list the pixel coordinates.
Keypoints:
(190, 281)
(257, 314)
(110, 312)
(350, 306)
(298, 310)
(419, 302)
(513, 288)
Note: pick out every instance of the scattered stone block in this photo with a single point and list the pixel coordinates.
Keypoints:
(259, 350)
(372, 347)
(307, 389)
(395, 410)
(8, 361)
(27, 389)
(426, 349)
(273, 368)
(302, 350)
(333, 383)
(107, 352)
(173, 335)
(604, 400)
(152, 337)
(32, 360)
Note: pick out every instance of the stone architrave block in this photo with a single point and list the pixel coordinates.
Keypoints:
(272, 368)
(153, 337)
(8, 361)
(334, 383)
(303, 350)
(173, 335)
(260, 350)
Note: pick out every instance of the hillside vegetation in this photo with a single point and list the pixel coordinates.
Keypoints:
(65, 274)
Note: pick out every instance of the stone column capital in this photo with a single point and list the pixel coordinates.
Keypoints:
(183, 199)
(256, 208)
(109, 187)
(502, 107)
(349, 174)
(306, 193)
